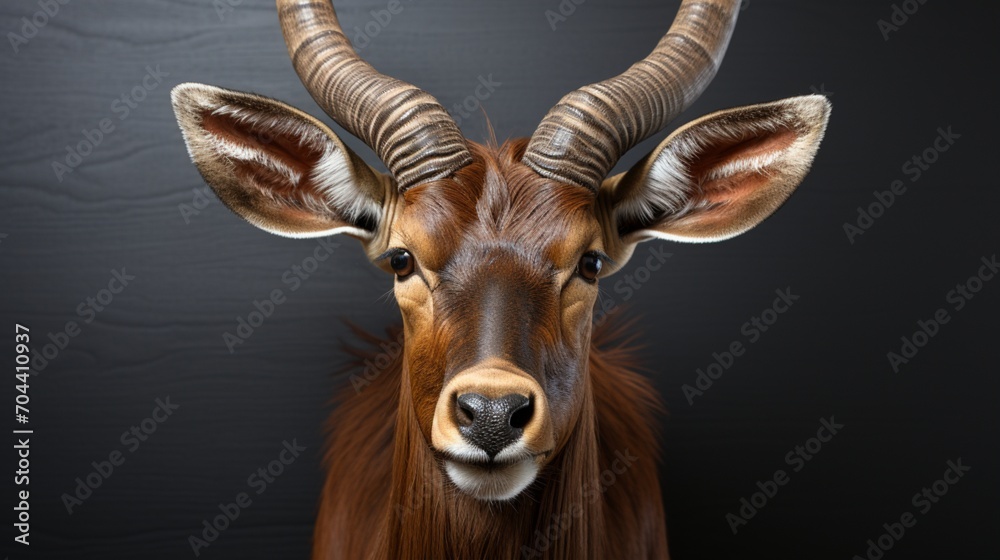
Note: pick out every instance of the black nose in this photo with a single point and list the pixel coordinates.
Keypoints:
(492, 424)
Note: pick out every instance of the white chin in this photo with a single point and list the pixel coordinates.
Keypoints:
(492, 484)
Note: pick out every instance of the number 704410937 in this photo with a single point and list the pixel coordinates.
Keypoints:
(21, 372)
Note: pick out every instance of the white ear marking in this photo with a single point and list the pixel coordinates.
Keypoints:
(333, 179)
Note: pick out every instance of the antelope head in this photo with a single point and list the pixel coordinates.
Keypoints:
(498, 252)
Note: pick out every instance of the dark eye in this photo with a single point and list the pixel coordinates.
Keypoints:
(590, 266)
(402, 263)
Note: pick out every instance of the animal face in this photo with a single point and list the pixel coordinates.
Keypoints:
(496, 252)
(496, 277)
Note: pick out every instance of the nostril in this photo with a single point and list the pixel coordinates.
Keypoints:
(468, 408)
(464, 414)
(492, 424)
(522, 415)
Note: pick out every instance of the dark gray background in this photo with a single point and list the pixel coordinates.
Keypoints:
(826, 356)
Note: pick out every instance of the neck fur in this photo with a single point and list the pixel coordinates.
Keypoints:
(386, 497)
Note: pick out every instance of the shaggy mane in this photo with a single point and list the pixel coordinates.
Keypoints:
(386, 498)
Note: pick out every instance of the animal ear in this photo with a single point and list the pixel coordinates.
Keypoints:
(720, 175)
(277, 167)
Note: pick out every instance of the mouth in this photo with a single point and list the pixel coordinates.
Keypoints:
(500, 479)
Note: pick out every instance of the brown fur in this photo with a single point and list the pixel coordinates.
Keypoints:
(385, 496)
(496, 225)
(496, 271)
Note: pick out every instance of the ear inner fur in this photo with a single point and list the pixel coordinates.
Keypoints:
(279, 168)
(490, 247)
(720, 175)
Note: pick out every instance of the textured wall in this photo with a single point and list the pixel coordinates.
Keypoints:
(133, 205)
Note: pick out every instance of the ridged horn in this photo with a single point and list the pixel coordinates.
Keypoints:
(584, 135)
(409, 130)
